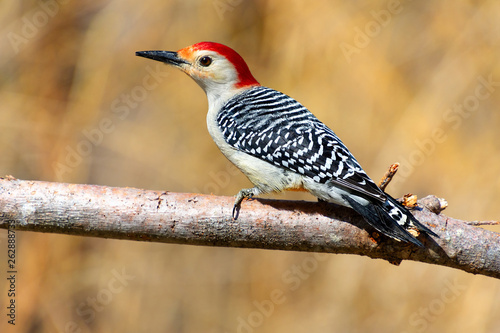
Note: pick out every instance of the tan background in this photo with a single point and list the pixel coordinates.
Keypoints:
(386, 76)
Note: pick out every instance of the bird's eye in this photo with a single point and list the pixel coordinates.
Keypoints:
(205, 61)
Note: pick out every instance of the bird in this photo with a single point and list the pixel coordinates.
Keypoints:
(279, 144)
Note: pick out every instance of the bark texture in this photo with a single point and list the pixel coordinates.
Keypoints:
(187, 218)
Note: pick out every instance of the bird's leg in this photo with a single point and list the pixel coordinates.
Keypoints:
(244, 193)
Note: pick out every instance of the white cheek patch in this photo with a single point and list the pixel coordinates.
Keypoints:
(196, 73)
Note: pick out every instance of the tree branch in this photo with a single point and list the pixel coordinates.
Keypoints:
(386, 179)
(185, 218)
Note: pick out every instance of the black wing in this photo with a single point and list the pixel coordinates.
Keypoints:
(276, 128)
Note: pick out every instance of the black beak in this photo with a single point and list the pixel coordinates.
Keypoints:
(167, 57)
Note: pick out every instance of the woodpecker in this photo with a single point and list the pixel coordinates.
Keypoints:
(279, 144)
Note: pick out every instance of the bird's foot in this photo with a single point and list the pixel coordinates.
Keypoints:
(244, 193)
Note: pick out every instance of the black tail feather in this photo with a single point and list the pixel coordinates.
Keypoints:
(412, 218)
(377, 215)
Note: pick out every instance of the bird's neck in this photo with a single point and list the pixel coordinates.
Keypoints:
(219, 96)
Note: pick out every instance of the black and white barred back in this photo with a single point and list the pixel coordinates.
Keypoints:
(276, 128)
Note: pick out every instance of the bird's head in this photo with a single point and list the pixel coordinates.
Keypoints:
(218, 69)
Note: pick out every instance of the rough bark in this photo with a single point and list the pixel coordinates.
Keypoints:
(186, 218)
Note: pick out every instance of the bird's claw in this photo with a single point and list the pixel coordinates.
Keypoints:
(244, 193)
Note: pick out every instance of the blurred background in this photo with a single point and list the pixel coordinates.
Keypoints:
(415, 82)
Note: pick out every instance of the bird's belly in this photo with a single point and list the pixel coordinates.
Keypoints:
(264, 175)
